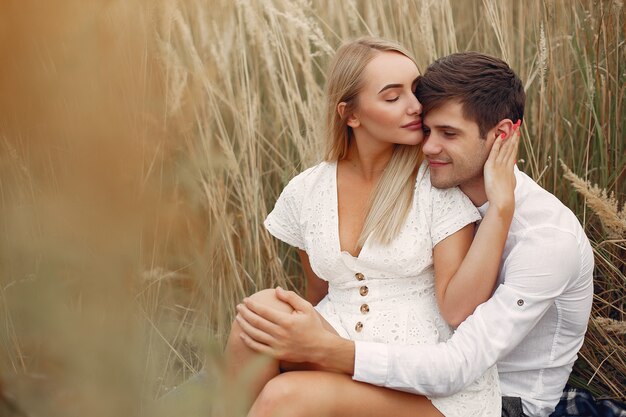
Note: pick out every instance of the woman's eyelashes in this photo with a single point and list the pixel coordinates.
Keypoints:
(392, 99)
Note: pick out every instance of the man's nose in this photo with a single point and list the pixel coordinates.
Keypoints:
(431, 145)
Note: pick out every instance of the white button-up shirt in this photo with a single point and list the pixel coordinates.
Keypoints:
(532, 326)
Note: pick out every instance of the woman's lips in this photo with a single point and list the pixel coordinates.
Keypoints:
(416, 125)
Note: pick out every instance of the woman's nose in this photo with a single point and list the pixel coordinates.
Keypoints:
(415, 106)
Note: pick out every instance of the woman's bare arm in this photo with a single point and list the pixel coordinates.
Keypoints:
(465, 276)
(466, 271)
(316, 288)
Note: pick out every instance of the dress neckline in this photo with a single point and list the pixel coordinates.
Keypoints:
(337, 237)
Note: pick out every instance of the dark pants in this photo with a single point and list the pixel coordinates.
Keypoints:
(512, 407)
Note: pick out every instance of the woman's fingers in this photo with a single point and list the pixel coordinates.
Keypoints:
(502, 150)
(511, 152)
(512, 145)
(499, 172)
(506, 149)
(497, 146)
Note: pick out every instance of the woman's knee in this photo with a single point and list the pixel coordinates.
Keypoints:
(283, 395)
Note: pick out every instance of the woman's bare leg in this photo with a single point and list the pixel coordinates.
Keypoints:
(326, 394)
(247, 371)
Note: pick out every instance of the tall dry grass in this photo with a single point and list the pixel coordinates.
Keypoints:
(143, 143)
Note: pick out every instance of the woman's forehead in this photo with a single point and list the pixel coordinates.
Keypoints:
(389, 68)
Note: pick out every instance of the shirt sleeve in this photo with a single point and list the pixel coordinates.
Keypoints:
(537, 271)
(284, 221)
(451, 211)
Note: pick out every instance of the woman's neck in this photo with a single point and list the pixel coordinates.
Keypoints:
(369, 161)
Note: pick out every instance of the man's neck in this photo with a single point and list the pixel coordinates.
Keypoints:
(475, 190)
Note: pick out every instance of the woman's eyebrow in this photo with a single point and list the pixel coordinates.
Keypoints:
(388, 86)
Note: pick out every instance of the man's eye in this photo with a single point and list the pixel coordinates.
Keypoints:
(449, 134)
(426, 132)
(391, 100)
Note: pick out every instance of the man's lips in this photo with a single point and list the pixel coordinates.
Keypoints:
(436, 164)
(416, 125)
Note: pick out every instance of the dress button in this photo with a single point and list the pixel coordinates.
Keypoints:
(358, 327)
(520, 302)
(359, 276)
(364, 290)
(365, 309)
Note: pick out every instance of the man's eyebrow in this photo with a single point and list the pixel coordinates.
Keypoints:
(388, 86)
(446, 127)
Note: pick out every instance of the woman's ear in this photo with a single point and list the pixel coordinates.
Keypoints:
(351, 119)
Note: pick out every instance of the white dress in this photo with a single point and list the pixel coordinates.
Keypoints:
(387, 293)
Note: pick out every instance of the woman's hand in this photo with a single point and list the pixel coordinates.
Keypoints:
(498, 171)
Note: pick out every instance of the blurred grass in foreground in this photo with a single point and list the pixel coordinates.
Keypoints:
(143, 143)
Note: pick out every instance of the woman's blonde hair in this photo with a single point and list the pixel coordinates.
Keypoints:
(392, 198)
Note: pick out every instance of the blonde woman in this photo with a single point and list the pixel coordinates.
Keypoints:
(386, 255)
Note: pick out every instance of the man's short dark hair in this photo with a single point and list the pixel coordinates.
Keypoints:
(486, 87)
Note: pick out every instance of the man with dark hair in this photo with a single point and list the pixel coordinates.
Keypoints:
(488, 89)
(534, 324)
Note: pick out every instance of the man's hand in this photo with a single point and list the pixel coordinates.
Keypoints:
(298, 336)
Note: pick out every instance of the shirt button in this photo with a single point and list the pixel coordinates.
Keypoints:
(520, 302)
(365, 309)
(359, 276)
(358, 327)
(364, 290)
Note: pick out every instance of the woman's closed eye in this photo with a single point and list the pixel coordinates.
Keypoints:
(391, 100)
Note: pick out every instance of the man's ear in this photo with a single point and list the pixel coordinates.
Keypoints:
(506, 127)
(351, 119)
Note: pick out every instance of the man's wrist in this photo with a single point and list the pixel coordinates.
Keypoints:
(335, 354)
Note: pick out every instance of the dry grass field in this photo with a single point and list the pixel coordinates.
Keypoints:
(143, 143)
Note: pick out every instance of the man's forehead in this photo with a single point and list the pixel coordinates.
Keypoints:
(448, 114)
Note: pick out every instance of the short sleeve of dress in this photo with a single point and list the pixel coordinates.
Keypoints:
(284, 221)
(451, 211)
